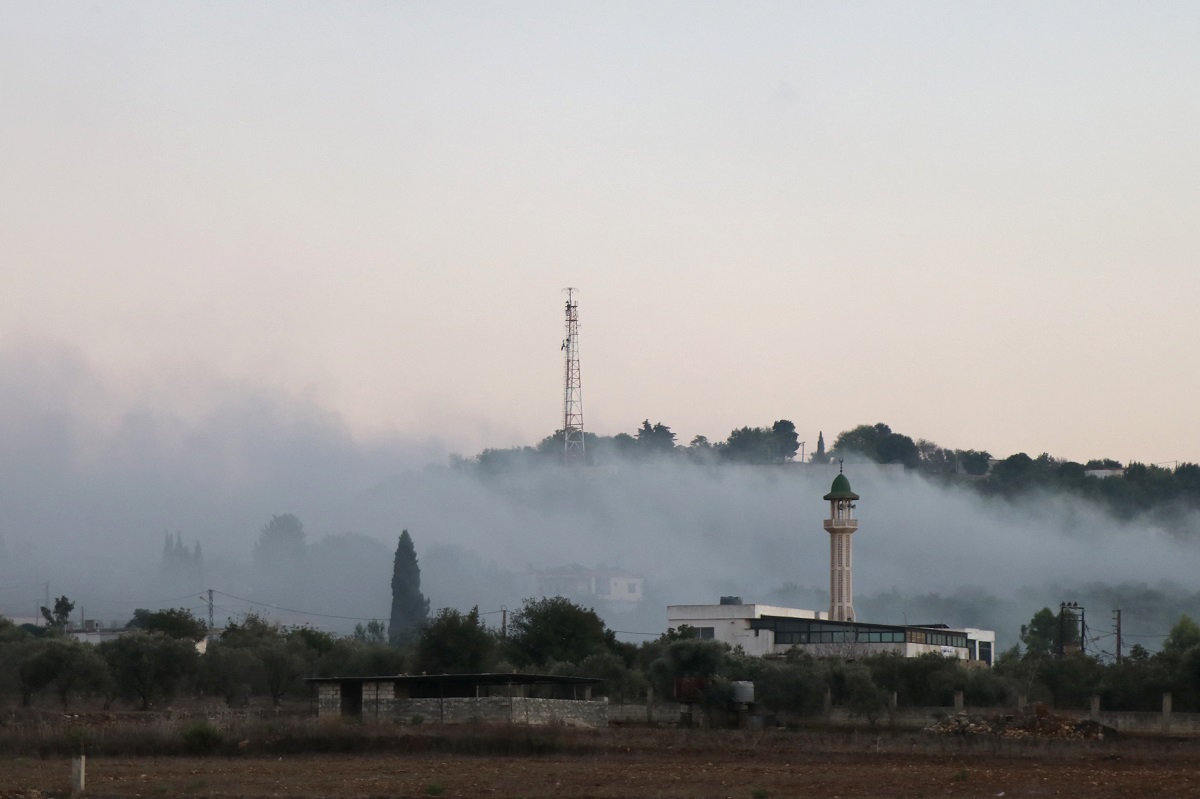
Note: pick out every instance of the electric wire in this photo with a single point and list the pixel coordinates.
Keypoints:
(294, 610)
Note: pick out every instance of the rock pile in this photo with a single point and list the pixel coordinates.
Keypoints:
(1041, 723)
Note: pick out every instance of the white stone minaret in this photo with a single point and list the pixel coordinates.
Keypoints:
(840, 525)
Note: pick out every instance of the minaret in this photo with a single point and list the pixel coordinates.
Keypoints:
(840, 525)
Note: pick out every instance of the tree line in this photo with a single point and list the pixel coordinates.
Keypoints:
(157, 661)
(1131, 490)
(775, 444)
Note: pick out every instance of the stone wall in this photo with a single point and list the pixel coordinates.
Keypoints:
(378, 700)
(329, 699)
(505, 709)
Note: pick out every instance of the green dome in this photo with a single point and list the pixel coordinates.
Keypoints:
(841, 489)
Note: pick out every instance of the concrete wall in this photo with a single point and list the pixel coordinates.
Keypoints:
(1165, 723)
(658, 713)
(329, 699)
(380, 704)
(506, 709)
(378, 701)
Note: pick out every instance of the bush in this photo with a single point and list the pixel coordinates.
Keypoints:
(203, 738)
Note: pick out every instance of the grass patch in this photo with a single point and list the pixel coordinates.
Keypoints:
(960, 776)
(435, 789)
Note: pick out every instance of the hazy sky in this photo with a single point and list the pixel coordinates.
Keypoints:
(976, 222)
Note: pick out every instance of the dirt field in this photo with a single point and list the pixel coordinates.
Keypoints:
(641, 763)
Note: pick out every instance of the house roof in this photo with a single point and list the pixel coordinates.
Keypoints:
(467, 679)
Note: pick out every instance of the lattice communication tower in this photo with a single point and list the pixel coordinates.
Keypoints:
(572, 398)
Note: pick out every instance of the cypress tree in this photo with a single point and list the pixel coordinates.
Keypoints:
(410, 608)
(819, 456)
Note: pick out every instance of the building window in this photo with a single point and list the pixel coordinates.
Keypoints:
(706, 633)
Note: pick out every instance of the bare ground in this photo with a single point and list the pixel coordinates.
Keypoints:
(660, 763)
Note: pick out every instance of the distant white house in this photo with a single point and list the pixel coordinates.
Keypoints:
(580, 583)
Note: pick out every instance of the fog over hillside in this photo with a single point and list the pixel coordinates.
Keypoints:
(86, 496)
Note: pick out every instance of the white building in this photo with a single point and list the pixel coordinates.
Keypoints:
(771, 630)
(589, 585)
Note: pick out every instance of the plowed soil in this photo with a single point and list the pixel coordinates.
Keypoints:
(674, 763)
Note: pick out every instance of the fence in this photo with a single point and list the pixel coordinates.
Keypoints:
(1162, 723)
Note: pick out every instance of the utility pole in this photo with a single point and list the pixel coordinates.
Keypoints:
(1118, 620)
(1062, 630)
(1078, 621)
(802, 443)
(573, 451)
(210, 609)
(504, 621)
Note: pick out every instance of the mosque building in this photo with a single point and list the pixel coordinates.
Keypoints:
(770, 630)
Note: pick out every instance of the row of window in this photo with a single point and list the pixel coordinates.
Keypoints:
(805, 631)
(841, 637)
(937, 639)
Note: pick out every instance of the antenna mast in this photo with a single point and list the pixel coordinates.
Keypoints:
(572, 399)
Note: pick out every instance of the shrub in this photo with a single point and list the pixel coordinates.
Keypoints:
(203, 738)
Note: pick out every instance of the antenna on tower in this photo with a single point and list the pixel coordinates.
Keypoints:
(572, 398)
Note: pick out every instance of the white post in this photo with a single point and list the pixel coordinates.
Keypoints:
(78, 777)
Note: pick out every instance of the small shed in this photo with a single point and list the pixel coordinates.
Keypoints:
(463, 698)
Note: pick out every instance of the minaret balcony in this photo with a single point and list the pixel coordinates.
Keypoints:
(841, 525)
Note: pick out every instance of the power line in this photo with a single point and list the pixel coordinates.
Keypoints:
(294, 610)
(91, 600)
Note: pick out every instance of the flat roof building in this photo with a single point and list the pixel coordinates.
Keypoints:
(463, 698)
(772, 630)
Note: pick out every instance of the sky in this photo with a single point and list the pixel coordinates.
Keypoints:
(974, 222)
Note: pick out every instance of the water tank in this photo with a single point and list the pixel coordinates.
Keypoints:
(743, 692)
(731, 600)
